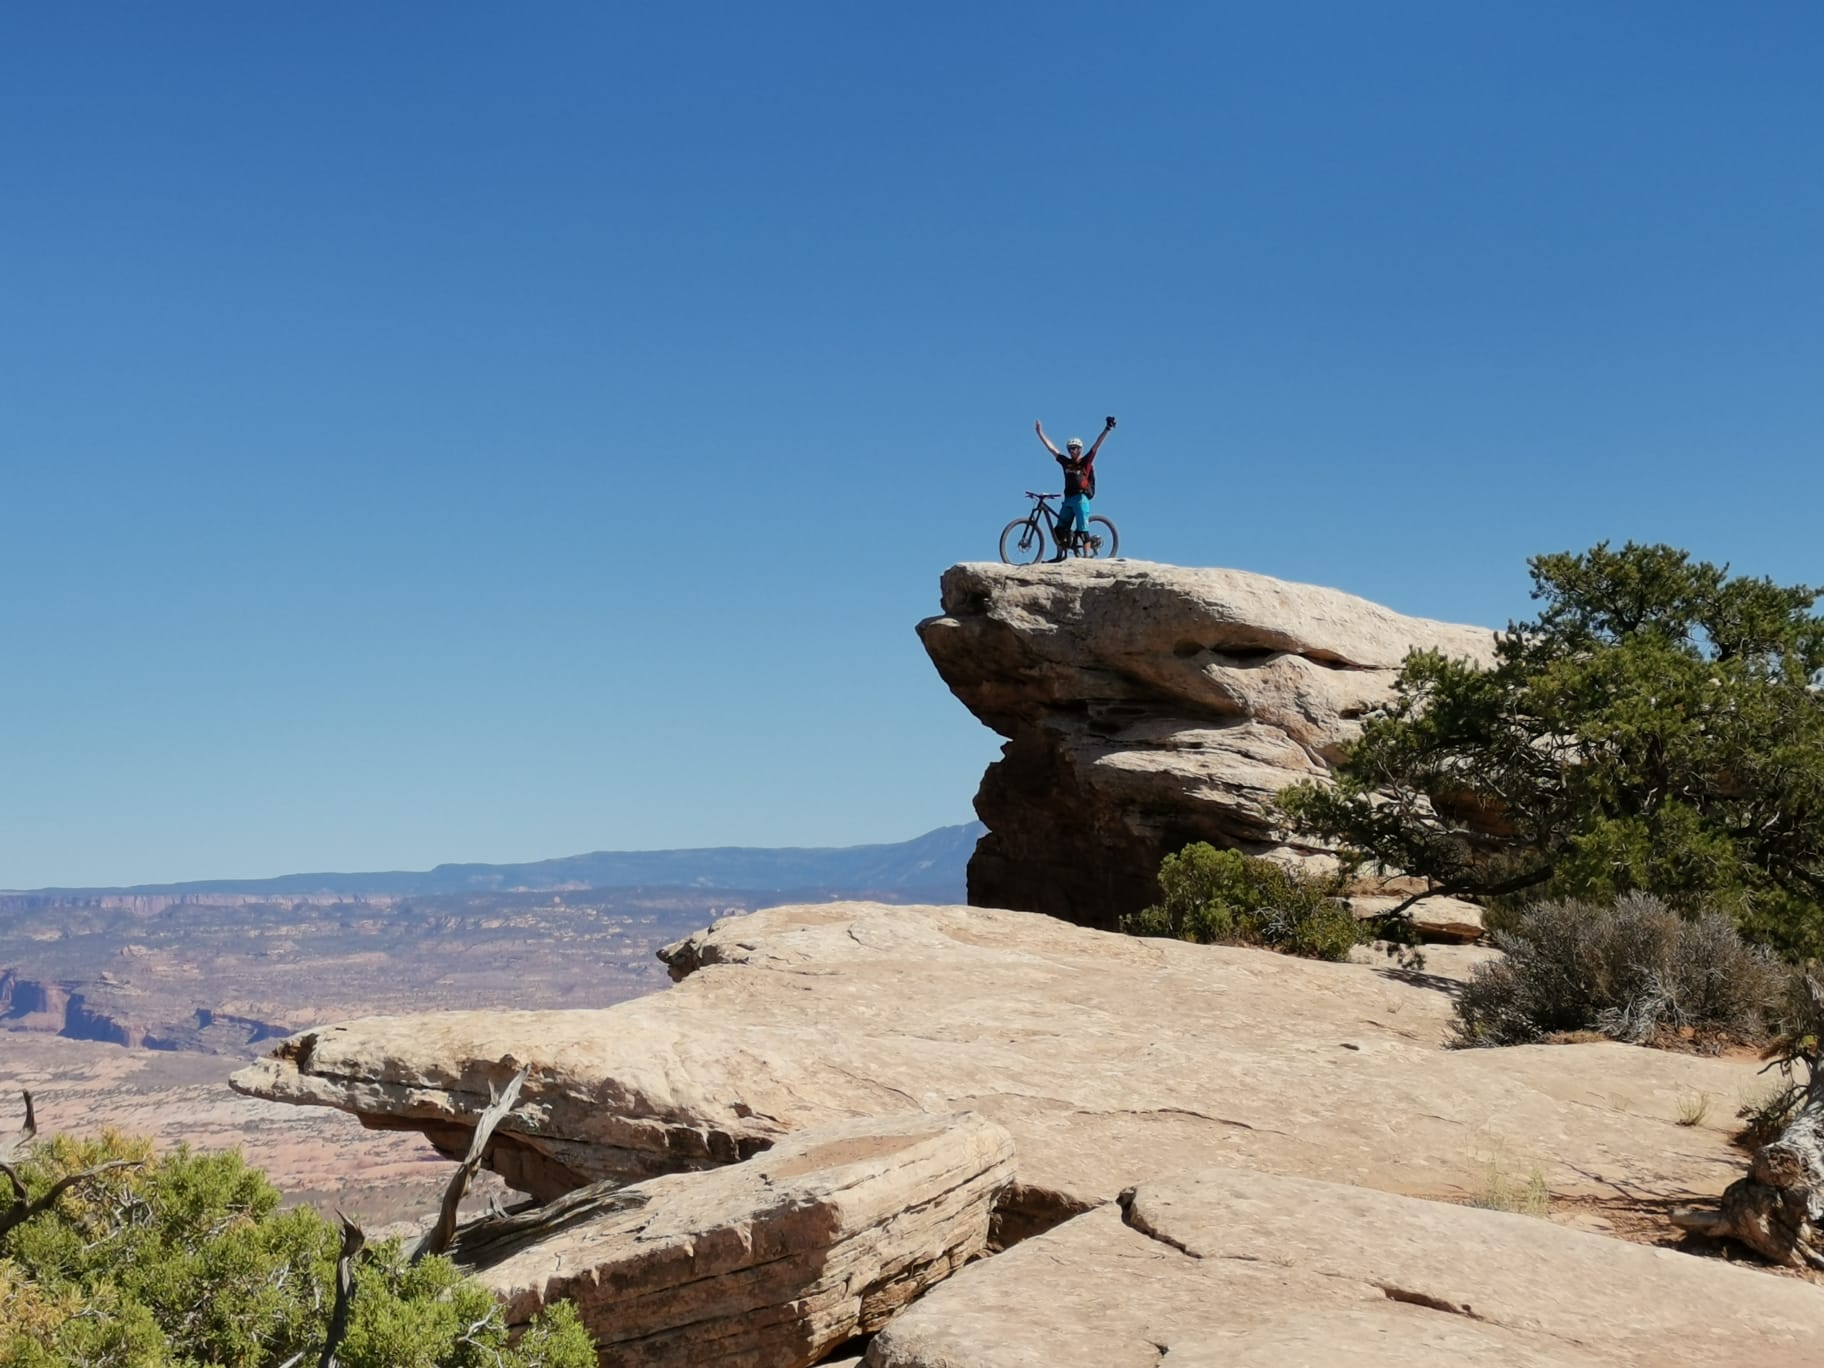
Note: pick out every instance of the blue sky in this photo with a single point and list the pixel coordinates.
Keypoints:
(471, 432)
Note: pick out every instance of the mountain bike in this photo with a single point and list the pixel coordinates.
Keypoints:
(1023, 540)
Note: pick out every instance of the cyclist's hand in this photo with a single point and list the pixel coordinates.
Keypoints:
(1111, 420)
(1038, 426)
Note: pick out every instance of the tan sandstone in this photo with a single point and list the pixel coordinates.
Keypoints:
(1110, 1060)
(766, 1264)
(1436, 919)
(1229, 1269)
(1148, 706)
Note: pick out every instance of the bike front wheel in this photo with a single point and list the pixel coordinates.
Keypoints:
(1103, 541)
(1022, 542)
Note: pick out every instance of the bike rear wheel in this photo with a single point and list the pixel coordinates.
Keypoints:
(1103, 541)
(1022, 542)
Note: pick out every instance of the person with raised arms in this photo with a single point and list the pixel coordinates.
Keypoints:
(1079, 483)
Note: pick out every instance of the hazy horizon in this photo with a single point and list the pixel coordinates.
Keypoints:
(142, 885)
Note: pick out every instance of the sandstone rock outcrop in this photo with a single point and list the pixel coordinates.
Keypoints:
(1243, 1270)
(1110, 1060)
(1148, 706)
(765, 1264)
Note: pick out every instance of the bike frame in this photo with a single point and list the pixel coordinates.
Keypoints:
(1041, 508)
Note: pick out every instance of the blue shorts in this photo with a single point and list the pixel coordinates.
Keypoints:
(1074, 513)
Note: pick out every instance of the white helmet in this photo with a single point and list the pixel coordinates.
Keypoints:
(1074, 444)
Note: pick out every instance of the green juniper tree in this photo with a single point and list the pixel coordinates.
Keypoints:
(1654, 728)
(187, 1259)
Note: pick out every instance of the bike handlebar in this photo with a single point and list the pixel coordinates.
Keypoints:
(1034, 494)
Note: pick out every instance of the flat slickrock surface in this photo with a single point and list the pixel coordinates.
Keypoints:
(1110, 1060)
(1227, 1269)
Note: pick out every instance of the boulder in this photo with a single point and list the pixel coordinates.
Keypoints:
(1148, 706)
(1245, 1270)
(770, 1263)
(1435, 919)
(1109, 1059)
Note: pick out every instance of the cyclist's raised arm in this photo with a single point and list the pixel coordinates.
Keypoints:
(1038, 426)
(1108, 428)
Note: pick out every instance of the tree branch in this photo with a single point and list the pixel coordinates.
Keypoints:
(353, 1239)
(22, 1211)
(490, 1238)
(437, 1239)
(24, 1206)
(13, 1148)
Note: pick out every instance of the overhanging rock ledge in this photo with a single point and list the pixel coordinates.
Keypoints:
(1147, 706)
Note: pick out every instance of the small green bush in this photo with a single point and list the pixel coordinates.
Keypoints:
(1635, 970)
(185, 1259)
(1222, 897)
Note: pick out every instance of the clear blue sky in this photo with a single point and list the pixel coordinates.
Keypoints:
(479, 432)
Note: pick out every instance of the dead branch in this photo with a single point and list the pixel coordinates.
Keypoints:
(488, 1239)
(21, 1211)
(14, 1147)
(353, 1239)
(437, 1239)
(1777, 1210)
(24, 1206)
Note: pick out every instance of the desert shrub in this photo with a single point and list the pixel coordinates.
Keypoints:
(1634, 970)
(1222, 897)
(1693, 1107)
(187, 1259)
(1504, 1191)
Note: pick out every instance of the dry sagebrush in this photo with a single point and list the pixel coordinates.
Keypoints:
(1635, 970)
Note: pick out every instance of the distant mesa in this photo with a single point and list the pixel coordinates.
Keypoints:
(928, 866)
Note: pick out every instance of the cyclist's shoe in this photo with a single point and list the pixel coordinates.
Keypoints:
(1062, 553)
(1095, 545)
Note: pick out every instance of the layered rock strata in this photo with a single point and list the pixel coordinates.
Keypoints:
(1148, 706)
(1109, 1059)
(1243, 1270)
(765, 1264)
